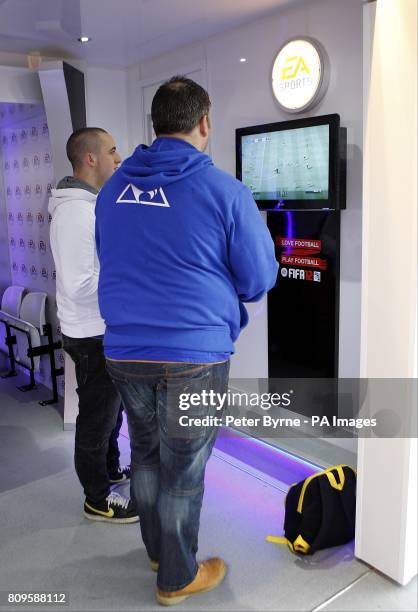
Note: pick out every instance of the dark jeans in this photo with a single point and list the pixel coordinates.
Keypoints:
(113, 452)
(99, 418)
(168, 461)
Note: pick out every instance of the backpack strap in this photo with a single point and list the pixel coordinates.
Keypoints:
(348, 502)
(332, 481)
(299, 545)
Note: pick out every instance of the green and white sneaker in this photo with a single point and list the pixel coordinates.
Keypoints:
(115, 509)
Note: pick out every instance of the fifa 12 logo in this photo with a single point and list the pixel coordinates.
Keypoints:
(293, 66)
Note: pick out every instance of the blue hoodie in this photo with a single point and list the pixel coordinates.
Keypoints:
(181, 246)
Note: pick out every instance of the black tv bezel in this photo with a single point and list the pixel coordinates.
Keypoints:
(334, 200)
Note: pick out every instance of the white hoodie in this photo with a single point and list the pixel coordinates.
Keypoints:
(77, 266)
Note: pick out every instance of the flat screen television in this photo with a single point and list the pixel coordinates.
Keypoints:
(294, 165)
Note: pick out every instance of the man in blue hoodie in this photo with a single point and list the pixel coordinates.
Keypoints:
(181, 246)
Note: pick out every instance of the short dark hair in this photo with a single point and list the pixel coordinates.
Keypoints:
(81, 142)
(178, 106)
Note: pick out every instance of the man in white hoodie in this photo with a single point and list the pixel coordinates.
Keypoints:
(93, 156)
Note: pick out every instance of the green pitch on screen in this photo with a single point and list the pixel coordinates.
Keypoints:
(287, 165)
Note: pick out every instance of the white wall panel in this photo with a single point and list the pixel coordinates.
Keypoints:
(107, 104)
(55, 98)
(241, 95)
(386, 535)
(19, 85)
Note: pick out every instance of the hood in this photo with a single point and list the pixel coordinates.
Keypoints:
(166, 161)
(62, 196)
(71, 182)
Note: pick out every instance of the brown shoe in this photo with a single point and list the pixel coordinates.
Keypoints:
(209, 575)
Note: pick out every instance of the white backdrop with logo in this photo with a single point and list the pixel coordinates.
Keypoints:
(27, 173)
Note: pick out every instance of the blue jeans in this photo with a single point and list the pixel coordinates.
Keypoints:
(168, 461)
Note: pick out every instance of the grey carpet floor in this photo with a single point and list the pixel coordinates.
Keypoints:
(46, 544)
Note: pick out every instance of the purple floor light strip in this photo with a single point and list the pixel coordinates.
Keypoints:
(266, 458)
(275, 462)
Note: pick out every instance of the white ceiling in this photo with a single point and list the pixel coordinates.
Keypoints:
(123, 32)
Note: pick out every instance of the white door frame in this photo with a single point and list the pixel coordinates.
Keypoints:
(386, 526)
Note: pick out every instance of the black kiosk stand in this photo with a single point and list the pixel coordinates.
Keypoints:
(296, 171)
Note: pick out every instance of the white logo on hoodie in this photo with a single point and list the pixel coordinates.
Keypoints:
(132, 195)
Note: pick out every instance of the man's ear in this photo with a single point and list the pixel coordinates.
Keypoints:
(90, 159)
(204, 126)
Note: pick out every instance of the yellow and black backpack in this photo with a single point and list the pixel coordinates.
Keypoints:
(320, 511)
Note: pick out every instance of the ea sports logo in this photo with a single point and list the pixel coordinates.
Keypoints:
(298, 74)
(293, 66)
(283, 272)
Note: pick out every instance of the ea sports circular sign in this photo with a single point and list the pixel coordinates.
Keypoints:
(300, 74)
